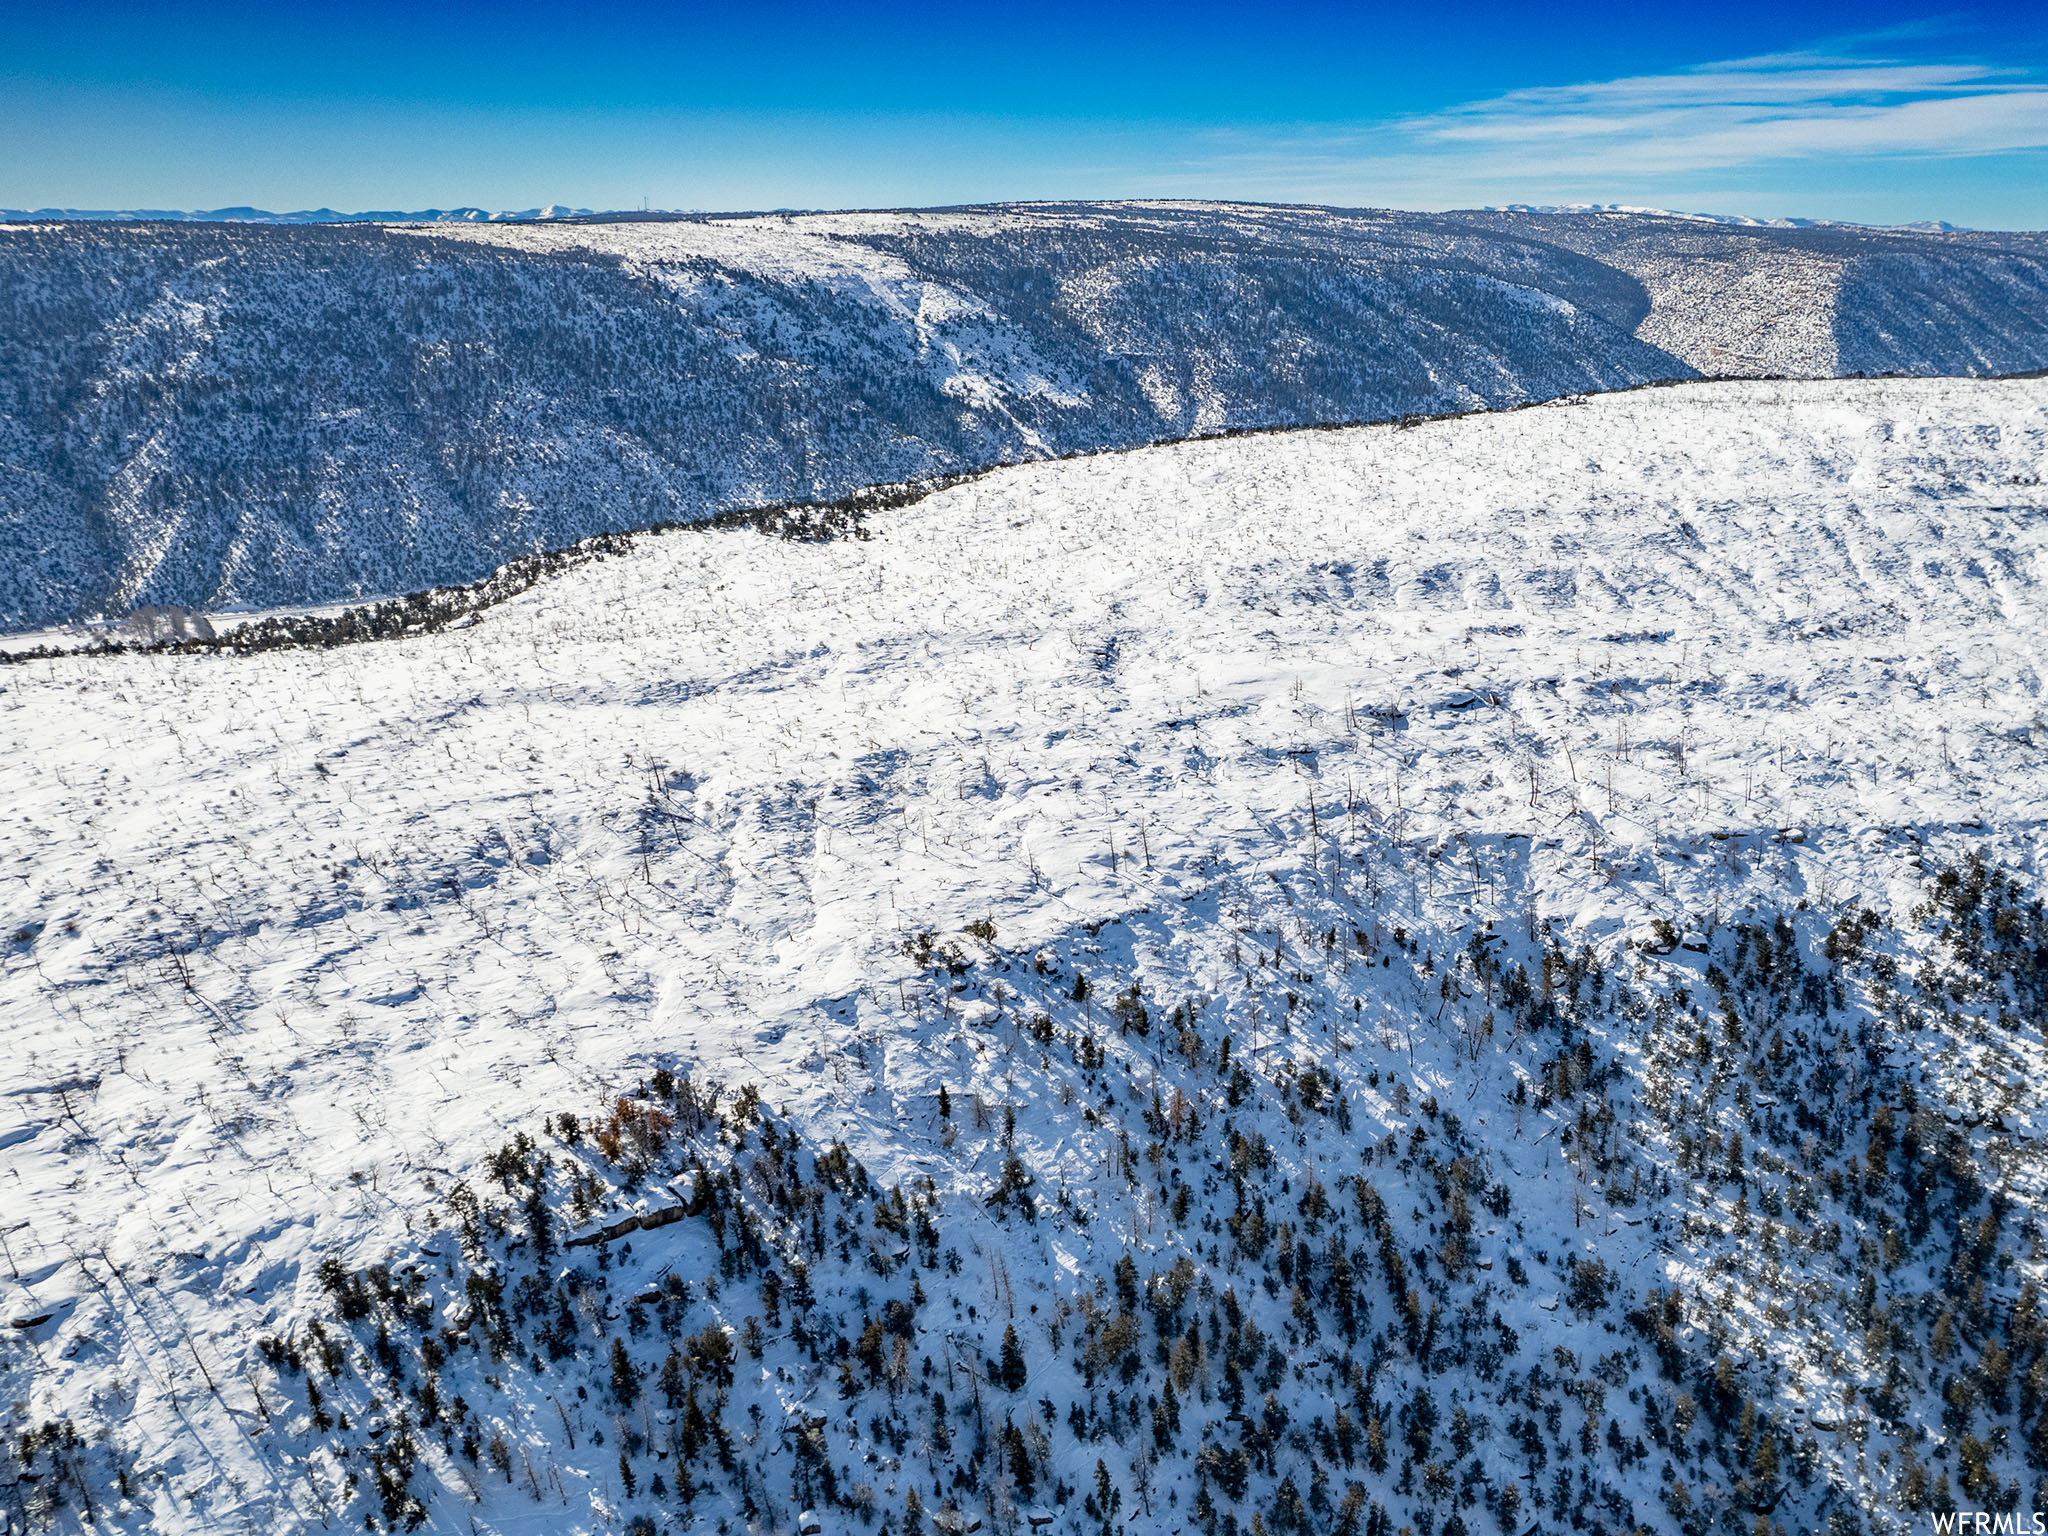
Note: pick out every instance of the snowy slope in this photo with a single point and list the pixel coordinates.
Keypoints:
(1315, 740)
(1811, 300)
(220, 415)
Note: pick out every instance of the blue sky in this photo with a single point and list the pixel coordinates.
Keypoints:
(1876, 112)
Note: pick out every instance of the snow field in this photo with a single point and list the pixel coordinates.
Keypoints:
(295, 939)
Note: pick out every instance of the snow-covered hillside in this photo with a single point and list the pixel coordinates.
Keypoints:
(1332, 982)
(218, 415)
(1807, 301)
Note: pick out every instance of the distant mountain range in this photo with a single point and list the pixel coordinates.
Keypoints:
(303, 216)
(217, 412)
(1918, 226)
(244, 215)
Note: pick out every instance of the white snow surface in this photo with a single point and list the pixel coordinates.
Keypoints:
(296, 938)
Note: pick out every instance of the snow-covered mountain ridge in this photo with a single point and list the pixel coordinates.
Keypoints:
(222, 415)
(247, 215)
(1373, 957)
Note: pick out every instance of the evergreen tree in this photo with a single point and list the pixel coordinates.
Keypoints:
(1014, 1372)
(625, 1377)
(672, 1380)
(540, 1221)
(1763, 1466)
(1108, 1498)
(1017, 1457)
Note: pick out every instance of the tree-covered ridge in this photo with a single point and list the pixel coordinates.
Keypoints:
(1725, 1228)
(220, 415)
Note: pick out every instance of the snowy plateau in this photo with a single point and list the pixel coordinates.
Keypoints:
(259, 416)
(1485, 975)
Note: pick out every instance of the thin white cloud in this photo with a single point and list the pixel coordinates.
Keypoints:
(1742, 111)
(1729, 122)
